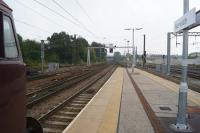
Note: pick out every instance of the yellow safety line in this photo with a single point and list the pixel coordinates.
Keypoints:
(110, 121)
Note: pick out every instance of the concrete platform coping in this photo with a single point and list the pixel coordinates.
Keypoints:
(101, 114)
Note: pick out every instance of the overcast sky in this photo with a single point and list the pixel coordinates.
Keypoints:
(104, 21)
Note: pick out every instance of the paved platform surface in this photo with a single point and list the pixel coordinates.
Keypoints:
(101, 113)
(160, 92)
(117, 108)
(133, 118)
(162, 95)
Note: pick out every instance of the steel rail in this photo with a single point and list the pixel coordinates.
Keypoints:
(65, 79)
(58, 88)
(70, 99)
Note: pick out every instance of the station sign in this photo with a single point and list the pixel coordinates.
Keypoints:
(185, 21)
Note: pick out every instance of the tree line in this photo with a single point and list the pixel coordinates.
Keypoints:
(62, 48)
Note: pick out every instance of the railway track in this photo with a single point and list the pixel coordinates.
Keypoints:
(39, 95)
(54, 82)
(36, 75)
(192, 83)
(57, 119)
(193, 71)
(37, 85)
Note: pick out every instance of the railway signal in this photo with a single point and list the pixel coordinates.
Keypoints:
(111, 48)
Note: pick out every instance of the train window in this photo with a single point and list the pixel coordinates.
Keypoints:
(10, 47)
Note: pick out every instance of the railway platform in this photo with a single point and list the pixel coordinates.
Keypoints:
(135, 103)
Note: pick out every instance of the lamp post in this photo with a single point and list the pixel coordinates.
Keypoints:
(133, 30)
(181, 122)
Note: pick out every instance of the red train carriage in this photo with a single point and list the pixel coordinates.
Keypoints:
(12, 76)
(12, 80)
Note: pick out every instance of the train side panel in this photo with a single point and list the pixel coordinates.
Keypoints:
(12, 77)
(12, 98)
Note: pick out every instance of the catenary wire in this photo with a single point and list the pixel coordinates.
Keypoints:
(57, 13)
(81, 7)
(32, 26)
(43, 16)
(78, 21)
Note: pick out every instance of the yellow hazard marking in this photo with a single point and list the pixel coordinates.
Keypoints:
(101, 114)
(109, 124)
